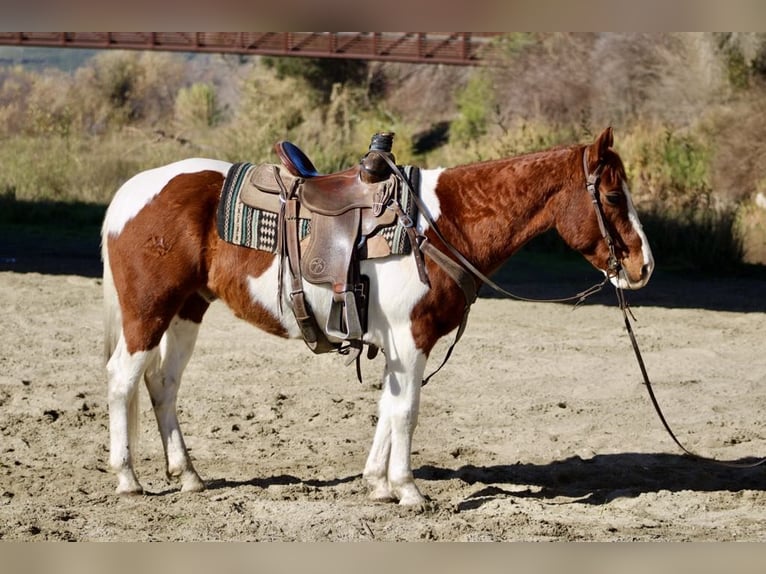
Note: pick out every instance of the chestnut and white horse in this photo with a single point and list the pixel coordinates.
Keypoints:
(164, 263)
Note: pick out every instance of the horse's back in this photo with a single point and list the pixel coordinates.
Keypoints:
(143, 187)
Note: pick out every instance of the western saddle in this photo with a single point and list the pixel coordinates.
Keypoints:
(346, 209)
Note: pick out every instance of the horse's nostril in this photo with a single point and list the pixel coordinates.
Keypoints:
(646, 269)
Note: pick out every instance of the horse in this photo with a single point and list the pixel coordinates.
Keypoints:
(164, 263)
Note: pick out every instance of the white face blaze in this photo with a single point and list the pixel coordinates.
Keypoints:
(622, 280)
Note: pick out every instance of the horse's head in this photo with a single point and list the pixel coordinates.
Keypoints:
(599, 212)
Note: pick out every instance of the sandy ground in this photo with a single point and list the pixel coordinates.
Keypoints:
(538, 429)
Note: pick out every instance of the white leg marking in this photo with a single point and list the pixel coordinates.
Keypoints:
(388, 468)
(163, 377)
(376, 468)
(395, 289)
(124, 371)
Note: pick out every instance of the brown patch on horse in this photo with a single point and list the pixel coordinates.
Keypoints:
(227, 278)
(478, 222)
(160, 261)
(439, 311)
(490, 210)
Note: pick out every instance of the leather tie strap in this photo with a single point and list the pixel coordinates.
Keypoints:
(289, 248)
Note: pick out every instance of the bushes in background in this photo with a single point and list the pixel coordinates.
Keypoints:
(688, 112)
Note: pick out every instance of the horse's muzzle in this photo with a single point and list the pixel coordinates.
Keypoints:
(623, 279)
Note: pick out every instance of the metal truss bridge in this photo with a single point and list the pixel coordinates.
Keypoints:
(457, 48)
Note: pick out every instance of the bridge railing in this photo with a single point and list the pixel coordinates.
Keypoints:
(424, 47)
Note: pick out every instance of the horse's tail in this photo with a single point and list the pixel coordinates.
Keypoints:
(112, 315)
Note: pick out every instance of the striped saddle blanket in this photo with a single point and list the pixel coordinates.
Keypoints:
(244, 225)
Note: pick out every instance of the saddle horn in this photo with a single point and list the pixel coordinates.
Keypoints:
(374, 167)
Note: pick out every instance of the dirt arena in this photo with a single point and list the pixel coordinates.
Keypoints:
(538, 429)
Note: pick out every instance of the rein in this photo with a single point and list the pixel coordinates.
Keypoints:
(613, 270)
(647, 383)
(579, 297)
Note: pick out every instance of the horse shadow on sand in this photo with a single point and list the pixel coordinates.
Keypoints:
(598, 480)
(574, 480)
(280, 480)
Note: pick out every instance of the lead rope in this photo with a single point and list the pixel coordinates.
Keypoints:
(647, 383)
(614, 270)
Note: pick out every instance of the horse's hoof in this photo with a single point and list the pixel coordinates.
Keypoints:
(382, 495)
(127, 483)
(409, 495)
(380, 490)
(192, 483)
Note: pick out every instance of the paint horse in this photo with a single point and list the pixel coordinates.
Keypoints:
(164, 262)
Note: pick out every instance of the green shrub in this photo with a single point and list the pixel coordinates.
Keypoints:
(475, 103)
(320, 74)
(667, 169)
(197, 107)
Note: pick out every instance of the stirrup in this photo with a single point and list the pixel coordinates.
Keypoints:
(344, 314)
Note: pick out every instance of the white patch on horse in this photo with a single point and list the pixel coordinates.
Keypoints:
(395, 289)
(163, 377)
(124, 371)
(263, 290)
(388, 468)
(645, 249)
(140, 189)
(429, 178)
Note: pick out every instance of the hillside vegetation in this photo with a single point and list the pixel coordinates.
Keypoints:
(689, 112)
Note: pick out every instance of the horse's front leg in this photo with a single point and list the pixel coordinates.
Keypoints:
(388, 469)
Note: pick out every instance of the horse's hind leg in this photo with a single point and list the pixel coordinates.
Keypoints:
(124, 370)
(163, 377)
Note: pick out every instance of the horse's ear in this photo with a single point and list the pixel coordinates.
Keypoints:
(604, 142)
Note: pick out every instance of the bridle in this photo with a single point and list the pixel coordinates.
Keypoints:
(614, 267)
(592, 181)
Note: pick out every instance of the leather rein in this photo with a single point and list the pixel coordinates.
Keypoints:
(613, 269)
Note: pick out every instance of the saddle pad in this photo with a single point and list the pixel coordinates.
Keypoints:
(247, 226)
(241, 224)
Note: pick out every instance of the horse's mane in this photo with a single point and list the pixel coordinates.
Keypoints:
(522, 156)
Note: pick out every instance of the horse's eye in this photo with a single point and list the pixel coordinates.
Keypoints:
(614, 197)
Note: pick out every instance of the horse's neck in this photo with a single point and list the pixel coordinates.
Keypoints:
(494, 208)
